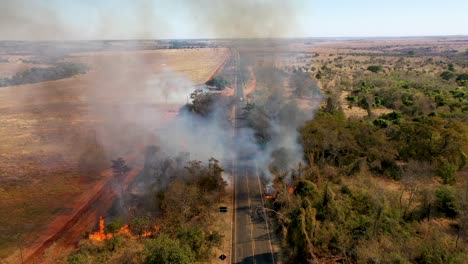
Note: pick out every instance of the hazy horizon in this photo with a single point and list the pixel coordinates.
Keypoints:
(184, 19)
(246, 38)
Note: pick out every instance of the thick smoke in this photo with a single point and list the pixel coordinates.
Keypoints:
(245, 18)
(150, 19)
(130, 107)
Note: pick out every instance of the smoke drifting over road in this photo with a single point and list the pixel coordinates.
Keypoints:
(127, 104)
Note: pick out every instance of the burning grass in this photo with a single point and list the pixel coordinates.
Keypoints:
(101, 235)
(47, 131)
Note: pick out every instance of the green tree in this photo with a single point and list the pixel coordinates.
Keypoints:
(164, 250)
(462, 79)
(218, 81)
(447, 171)
(451, 67)
(374, 68)
(140, 225)
(446, 202)
(447, 75)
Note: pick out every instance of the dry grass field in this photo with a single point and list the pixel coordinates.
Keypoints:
(49, 130)
(351, 58)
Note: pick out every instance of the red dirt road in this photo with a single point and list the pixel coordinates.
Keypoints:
(66, 230)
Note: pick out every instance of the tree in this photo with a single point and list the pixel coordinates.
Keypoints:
(462, 79)
(451, 67)
(447, 75)
(318, 76)
(374, 68)
(120, 170)
(163, 250)
(332, 105)
(447, 171)
(302, 222)
(199, 241)
(140, 225)
(218, 81)
(446, 202)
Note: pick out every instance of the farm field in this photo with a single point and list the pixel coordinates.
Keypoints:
(52, 145)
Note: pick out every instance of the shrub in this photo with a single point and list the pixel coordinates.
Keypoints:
(166, 250)
(305, 188)
(462, 79)
(446, 202)
(448, 172)
(380, 123)
(447, 75)
(374, 68)
(218, 82)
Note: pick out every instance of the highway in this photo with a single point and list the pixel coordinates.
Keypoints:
(252, 241)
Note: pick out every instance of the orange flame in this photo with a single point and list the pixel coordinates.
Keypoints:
(100, 235)
(125, 230)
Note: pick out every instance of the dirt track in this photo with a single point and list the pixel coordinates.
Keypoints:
(67, 230)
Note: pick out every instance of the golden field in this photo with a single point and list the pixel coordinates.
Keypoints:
(49, 131)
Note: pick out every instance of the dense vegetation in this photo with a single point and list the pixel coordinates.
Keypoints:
(178, 201)
(389, 187)
(386, 188)
(36, 75)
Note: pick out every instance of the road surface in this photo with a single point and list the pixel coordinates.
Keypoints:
(252, 241)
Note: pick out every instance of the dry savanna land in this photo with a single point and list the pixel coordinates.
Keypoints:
(380, 125)
(51, 147)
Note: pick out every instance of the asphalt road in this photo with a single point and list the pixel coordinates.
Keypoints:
(251, 234)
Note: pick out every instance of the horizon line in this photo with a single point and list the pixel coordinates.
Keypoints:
(243, 38)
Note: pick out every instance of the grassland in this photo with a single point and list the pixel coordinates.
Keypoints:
(49, 128)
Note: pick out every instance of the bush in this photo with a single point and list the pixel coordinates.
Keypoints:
(446, 202)
(462, 79)
(380, 123)
(447, 75)
(164, 250)
(305, 188)
(374, 68)
(448, 172)
(218, 82)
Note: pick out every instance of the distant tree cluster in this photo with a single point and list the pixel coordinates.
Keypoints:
(218, 81)
(36, 75)
(183, 44)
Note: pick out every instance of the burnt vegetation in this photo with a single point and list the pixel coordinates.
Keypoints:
(169, 208)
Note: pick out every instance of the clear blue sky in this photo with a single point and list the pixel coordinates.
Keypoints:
(127, 19)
